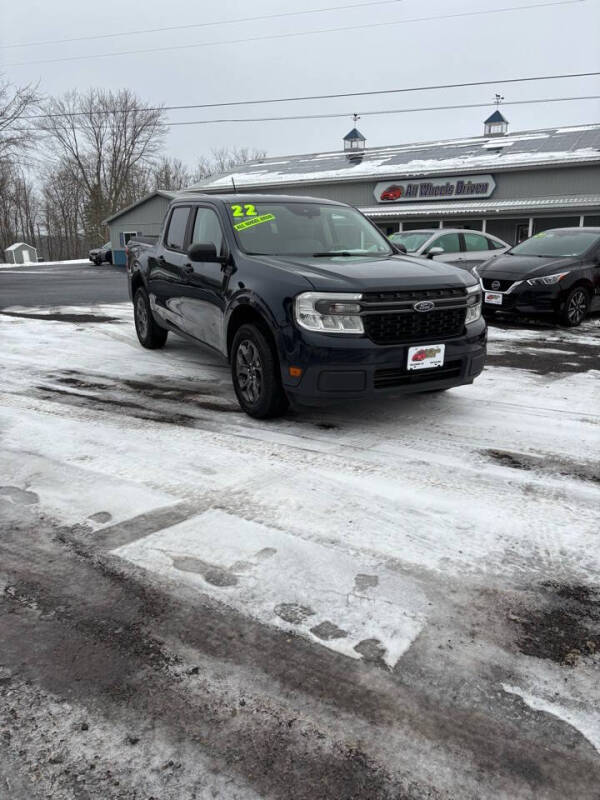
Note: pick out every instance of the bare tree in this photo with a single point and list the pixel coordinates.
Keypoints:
(16, 134)
(223, 159)
(17, 198)
(105, 140)
(171, 174)
(19, 209)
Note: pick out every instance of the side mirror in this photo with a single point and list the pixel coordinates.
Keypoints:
(435, 251)
(399, 247)
(204, 251)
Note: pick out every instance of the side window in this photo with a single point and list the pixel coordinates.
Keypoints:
(494, 245)
(207, 228)
(175, 238)
(475, 242)
(449, 243)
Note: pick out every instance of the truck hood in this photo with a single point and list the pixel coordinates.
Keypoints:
(362, 274)
(521, 267)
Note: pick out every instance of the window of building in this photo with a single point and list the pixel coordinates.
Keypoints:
(419, 225)
(175, 239)
(593, 222)
(546, 223)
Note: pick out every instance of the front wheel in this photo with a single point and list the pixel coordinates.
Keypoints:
(150, 335)
(575, 307)
(256, 375)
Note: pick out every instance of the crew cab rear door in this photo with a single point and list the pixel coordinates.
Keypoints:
(167, 278)
(204, 305)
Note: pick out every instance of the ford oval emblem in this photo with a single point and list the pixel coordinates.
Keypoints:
(495, 284)
(424, 305)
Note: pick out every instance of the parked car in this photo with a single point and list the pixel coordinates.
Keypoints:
(307, 299)
(555, 272)
(457, 246)
(101, 254)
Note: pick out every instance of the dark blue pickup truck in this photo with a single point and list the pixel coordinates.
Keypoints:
(307, 300)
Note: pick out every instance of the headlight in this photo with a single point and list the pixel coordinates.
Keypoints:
(473, 303)
(329, 312)
(547, 280)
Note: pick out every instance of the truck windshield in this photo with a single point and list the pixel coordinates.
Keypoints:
(557, 244)
(305, 229)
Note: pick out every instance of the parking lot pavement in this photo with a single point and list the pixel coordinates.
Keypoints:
(50, 282)
(384, 600)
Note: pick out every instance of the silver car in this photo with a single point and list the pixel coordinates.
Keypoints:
(463, 248)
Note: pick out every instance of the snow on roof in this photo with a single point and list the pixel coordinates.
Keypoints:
(17, 245)
(550, 146)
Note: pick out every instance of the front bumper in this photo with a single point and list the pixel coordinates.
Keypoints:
(526, 299)
(337, 367)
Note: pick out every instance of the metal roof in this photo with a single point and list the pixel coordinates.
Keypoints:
(354, 134)
(536, 148)
(485, 207)
(495, 117)
(121, 211)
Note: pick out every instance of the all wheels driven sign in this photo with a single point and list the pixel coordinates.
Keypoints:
(462, 188)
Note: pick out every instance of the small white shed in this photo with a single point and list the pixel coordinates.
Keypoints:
(20, 253)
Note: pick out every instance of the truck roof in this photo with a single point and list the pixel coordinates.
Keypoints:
(242, 197)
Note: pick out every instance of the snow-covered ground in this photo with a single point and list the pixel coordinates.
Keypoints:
(71, 262)
(362, 528)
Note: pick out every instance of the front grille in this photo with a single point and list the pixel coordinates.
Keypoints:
(504, 285)
(413, 326)
(412, 295)
(388, 378)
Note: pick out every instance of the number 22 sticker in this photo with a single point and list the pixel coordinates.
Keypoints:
(247, 210)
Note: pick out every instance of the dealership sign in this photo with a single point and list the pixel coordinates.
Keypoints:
(473, 186)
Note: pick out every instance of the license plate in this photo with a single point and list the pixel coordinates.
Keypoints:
(425, 357)
(494, 298)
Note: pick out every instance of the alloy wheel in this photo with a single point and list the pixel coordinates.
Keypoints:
(249, 371)
(577, 307)
(141, 317)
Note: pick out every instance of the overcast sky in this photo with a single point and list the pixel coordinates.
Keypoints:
(550, 39)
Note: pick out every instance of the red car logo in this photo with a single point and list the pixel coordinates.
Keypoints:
(392, 193)
(420, 355)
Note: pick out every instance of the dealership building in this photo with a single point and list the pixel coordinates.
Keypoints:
(511, 185)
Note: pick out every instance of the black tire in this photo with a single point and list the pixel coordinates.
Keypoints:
(575, 308)
(150, 335)
(97, 261)
(256, 375)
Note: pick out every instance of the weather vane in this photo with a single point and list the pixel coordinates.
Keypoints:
(499, 98)
(355, 117)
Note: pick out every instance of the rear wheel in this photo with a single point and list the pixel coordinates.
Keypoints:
(256, 375)
(150, 335)
(575, 307)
